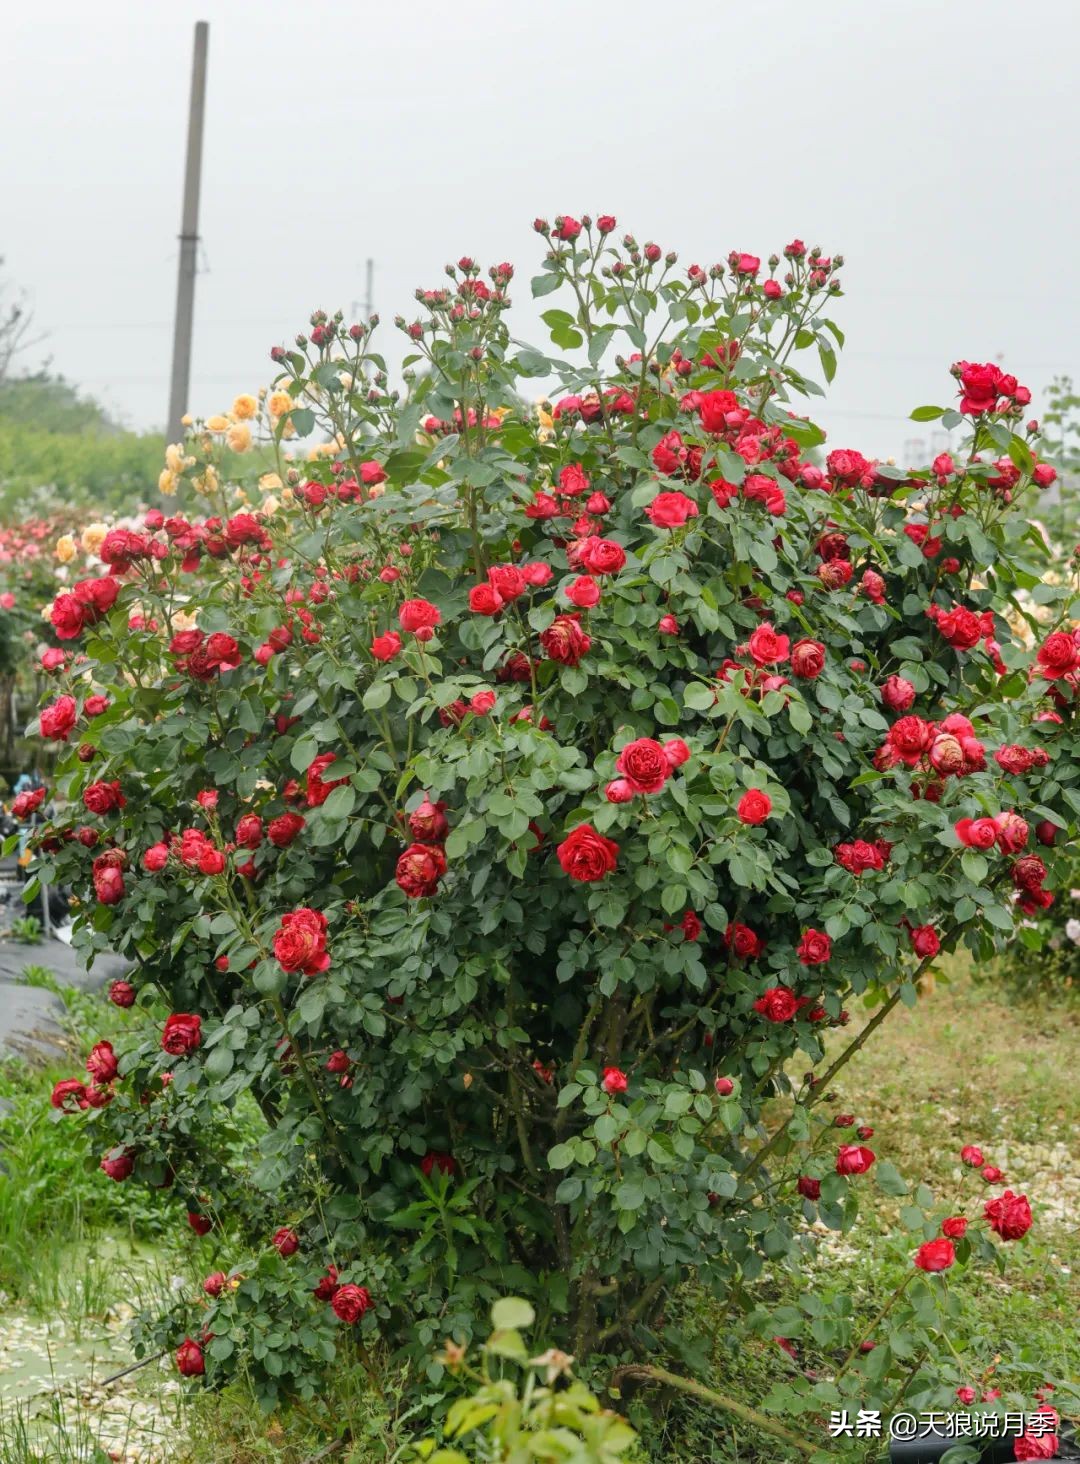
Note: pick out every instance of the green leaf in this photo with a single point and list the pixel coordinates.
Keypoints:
(544, 284)
(927, 414)
(512, 1313)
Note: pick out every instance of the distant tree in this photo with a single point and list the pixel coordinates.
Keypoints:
(16, 324)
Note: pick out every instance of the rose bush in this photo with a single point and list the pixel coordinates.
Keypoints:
(512, 802)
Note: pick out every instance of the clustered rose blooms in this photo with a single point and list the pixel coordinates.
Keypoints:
(506, 769)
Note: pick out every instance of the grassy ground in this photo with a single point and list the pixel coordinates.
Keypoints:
(963, 1067)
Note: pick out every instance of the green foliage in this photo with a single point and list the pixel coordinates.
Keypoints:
(520, 1408)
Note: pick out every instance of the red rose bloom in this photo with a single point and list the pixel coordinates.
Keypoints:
(1059, 655)
(420, 617)
(419, 870)
(285, 1241)
(181, 1034)
(485, 600)
(300, 942)
(809, 1188)
(214, 1284)
(350, 1302)
(977, 833)
(103, 797)
(897, 693)
(386, 647)
(644, 765)
(909, 738)
(777, 1005)
(573, 480)
(101, 1062)
(122, 994)
(1009, 1215)
(613, 1081)
(808, 659)
(935, 1255)
(600, 556)
(118, 1165)
(189, 1359)
(754, 807)
(586, 855)
(854, 1159)
(972, 1156)
(249, 831)
(767, 647)
(327, 1286)
(815, 948)
(58, 718)
(924, 941)
(281, 831)
(744, 942)
(671, 510)
(319, 791)
(565, 641)
(979, 387)
(955, 1227)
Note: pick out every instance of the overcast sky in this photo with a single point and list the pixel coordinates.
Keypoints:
(932, 142)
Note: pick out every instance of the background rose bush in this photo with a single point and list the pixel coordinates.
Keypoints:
(509, 803)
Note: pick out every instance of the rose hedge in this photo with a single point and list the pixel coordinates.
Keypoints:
(508, 803)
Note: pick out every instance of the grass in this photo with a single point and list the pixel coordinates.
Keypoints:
(965, 1066)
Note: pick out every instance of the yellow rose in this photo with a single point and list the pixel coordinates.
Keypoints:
(65, 549)
(244, 407)
(184, 620)
(93, 536)
(269, 482)
(279, 402)
(174, 457)
(186, 420)
(217, 423)
(543, 416)
(166, 482)
(239, 438)
(270, 505)
(206, 482)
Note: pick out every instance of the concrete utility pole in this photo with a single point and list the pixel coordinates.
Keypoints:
(368, 306)
(189, 241)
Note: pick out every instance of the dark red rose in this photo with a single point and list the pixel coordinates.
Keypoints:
(214, 1284)
(935, 1255)
(1009, 1215)
(565, 641)
(281, 831)
(319, 790)
(428, 822)
(586, 855)
(300, 942)
(419, 869)
(189, 1359)
(778, 1004)
(808, 659)
(181, 1034)
(744, 942)
(925, 941)
(103, 798)
(815, 948)
(285, 1241)
(101, 1062)
(328, 1284)
(644, 765)
(350, 1302)
(955, 1227)
(249, 831)
(122, 994)
(809, 1188)
(118, 1165)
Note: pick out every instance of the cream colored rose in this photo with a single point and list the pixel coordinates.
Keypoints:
(217, 423)
(93, 536)
(278, 403)
(166, 482)
(65, 549)
(244, 407)
(239, 438)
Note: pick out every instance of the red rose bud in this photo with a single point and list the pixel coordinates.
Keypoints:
(972, 1156)
(724, 1087)
(214, 1283)
(614, 1080)
(955, 1227)
(122, 994)
(809, 1188)
(350, 1303)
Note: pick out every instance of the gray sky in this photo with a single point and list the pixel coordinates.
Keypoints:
(929, 141)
